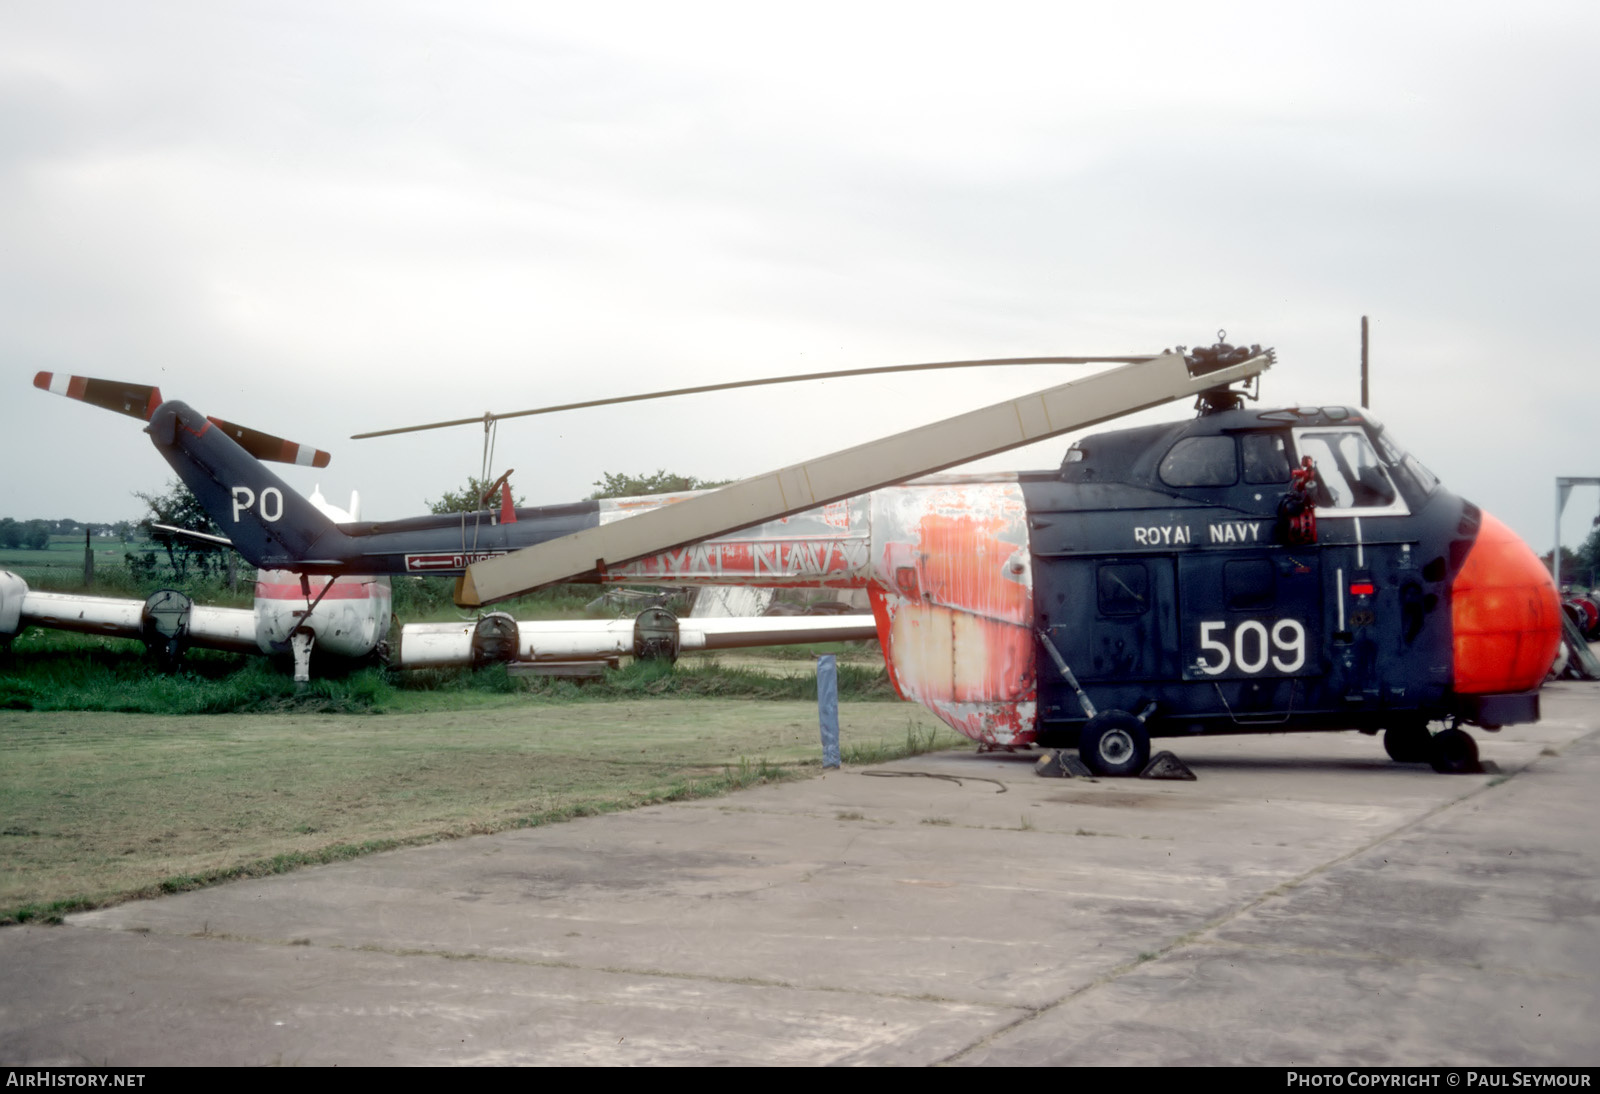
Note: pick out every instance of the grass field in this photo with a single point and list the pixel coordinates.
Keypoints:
(98, 808)
(120, 782)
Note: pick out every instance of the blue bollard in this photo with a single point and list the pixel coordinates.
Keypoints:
(828, 708)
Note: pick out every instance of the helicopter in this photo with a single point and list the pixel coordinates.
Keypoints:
(1244, 571)
(349, 615)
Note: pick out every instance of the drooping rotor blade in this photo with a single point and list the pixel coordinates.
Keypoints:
(702, 389)
(265, 446)
(134, 400)
(1149, 382)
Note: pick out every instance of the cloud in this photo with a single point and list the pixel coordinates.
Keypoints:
(322, 220)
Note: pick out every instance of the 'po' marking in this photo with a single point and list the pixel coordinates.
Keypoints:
(244, 499)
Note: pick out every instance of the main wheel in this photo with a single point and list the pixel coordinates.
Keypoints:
(1114, 743)
(1453, 752)
(1408, 744)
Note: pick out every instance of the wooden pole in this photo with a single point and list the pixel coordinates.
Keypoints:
(1366, 399)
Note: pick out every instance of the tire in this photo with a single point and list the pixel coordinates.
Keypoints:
(1114, 744)
(1408, 744)
(1453, 752)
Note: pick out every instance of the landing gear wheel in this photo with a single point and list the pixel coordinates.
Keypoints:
(1453, 752)
(1408, 744)
(1115, 744)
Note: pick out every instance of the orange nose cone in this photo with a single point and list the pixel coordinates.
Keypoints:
(1506, 617)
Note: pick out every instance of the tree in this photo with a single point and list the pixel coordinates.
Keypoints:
(179, 508)
(1569, 562)
(1580, 567)
(1586, 565)
(662, 482)
(469, 499)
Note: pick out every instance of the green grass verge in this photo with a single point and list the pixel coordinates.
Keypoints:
(54, 671)
(101, 807)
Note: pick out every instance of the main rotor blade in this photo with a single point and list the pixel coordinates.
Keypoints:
(134, 400)
(703, 388)
(853, 471)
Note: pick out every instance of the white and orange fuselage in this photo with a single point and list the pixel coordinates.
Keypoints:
(945, 561)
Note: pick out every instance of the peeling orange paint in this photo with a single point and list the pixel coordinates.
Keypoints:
(953, 594)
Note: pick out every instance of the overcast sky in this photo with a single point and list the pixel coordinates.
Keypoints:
(319, 219)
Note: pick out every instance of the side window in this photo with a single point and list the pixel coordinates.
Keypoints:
(1201, 461)
(1349, 476)
(1266, 457)
(1123, 588)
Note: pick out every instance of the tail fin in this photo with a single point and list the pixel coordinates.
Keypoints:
(270, 525)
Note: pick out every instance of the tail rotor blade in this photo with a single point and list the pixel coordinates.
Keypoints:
(140, 401)
(134, 400)
(264, 446)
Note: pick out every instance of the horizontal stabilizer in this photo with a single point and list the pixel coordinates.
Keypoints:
(184, 533)
(264, 446)
(134, 400)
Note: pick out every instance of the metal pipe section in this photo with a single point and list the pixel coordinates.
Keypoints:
(217, 628)
(436, 645)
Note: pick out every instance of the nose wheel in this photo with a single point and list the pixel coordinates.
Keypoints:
(1453, 752)
(1408, 744)
(1450, 751)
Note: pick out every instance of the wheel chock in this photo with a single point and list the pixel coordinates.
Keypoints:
(1164, 765)
(1056, 764)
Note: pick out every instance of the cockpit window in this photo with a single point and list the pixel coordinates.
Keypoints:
(1406, 466)
(1426, 480)
(1349, 476)
(1201, 461)
(1392, 453)
(1266, 457)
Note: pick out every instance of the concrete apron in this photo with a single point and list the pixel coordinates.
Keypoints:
(1306, 901)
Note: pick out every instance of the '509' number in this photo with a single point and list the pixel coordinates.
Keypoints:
(1252, 649)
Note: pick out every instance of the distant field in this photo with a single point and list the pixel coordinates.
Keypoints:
(64, 557)
(64, 551)
(98, 808)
